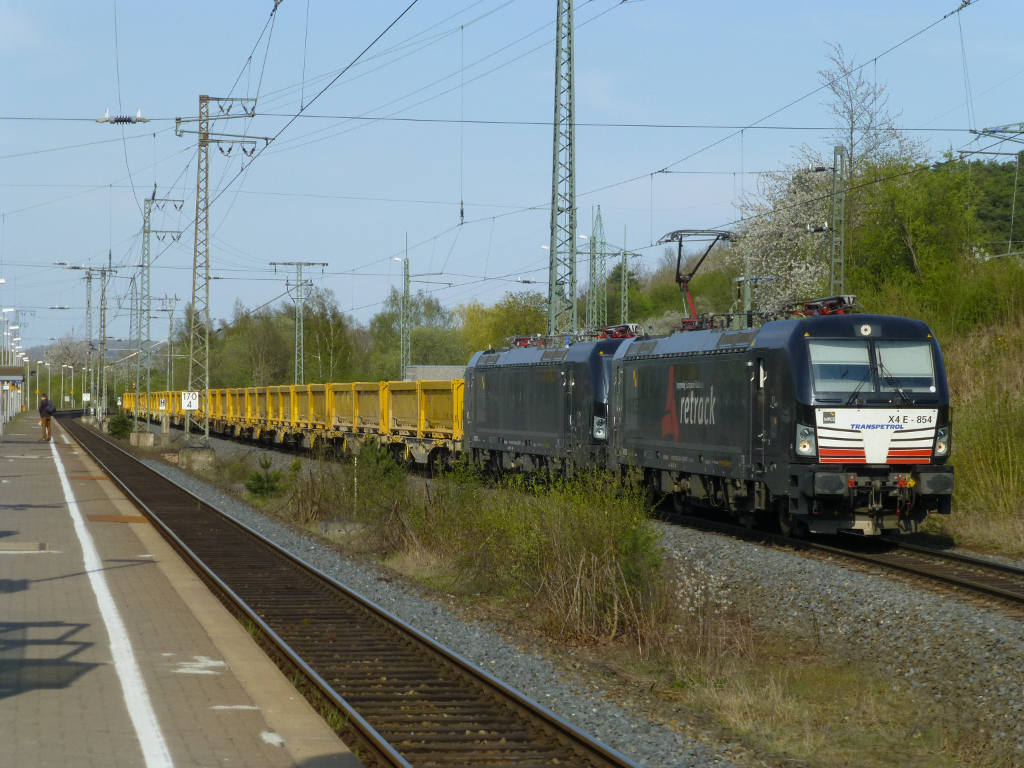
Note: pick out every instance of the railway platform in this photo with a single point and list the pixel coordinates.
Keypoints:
(112, 652)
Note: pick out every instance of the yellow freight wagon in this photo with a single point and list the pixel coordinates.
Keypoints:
(418, 421)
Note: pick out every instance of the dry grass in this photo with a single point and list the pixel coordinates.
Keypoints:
(794, 698)
(986, 377)
(825, 714)
(581, 552)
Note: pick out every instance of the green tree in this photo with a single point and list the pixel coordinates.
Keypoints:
(329, 343)
(518, 314)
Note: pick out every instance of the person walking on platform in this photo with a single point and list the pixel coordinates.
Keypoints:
(46, 410)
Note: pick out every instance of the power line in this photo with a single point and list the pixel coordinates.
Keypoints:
(547, 123)
(668, 168)
(73, 146)
(293, 145)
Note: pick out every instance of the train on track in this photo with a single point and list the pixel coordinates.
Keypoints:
(824, 423)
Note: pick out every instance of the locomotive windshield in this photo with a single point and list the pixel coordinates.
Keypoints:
(879, 366)
(905, 365)
(840, 366)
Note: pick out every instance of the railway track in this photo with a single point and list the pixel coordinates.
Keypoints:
(971, 574)
(403, 699)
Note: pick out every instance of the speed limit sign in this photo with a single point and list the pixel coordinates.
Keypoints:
(190, 401)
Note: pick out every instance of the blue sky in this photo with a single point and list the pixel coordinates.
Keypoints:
(347, 192)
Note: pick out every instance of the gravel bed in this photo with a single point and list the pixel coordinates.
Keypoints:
(968, 657)
(647, 743)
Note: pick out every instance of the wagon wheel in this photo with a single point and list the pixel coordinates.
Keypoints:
(785, 519)
(790, 526)
(678, 502)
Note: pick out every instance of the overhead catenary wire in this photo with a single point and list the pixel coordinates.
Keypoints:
(964, 4)
(305, 139)
(323, 90)
(238, 191)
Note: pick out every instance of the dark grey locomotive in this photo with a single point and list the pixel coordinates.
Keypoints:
(827, 423)
(537, 408)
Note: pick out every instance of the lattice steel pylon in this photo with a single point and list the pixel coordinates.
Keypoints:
(88, 334)
(837, 246)
(135, 341)
(597, 290)
(405, 341)
(102, 383)
(199, 320)
(562, 245)
(145, 296)
(146, 303)
(299, 293)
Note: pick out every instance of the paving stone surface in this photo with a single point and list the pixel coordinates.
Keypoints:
(62, 701)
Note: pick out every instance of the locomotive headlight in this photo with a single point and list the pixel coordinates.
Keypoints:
(806, 445)
(600, 428)
(942, 441)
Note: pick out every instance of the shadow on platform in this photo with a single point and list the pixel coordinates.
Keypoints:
(40, 655)
(10, 586)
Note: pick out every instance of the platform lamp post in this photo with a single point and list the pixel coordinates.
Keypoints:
(20, 358)
(48, 381)
(28, 372)
(71, 377)
(81, 392)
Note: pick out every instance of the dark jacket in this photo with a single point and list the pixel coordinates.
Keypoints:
(46, 408)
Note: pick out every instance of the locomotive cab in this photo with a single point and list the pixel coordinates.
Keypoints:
(872, 434)
(828, 423)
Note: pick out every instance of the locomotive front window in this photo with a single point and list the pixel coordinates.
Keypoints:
(840, 366)
(905, 366)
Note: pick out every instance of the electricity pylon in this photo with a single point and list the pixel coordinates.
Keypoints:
(199, 320)
(597, 291)
(837, 249)
(624, 280)
(105, 273)
(145, 347)
(97, 379)
(562, 245)
(88, 335)
(299, 292)
(405, 342)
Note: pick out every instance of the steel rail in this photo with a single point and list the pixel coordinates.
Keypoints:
(579, 745)
(1010, 578)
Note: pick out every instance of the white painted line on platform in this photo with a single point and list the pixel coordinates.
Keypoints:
(201, 665)
(234, 706)
(30, 552)
(140, 709)
(65, 439)
(272, 738)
